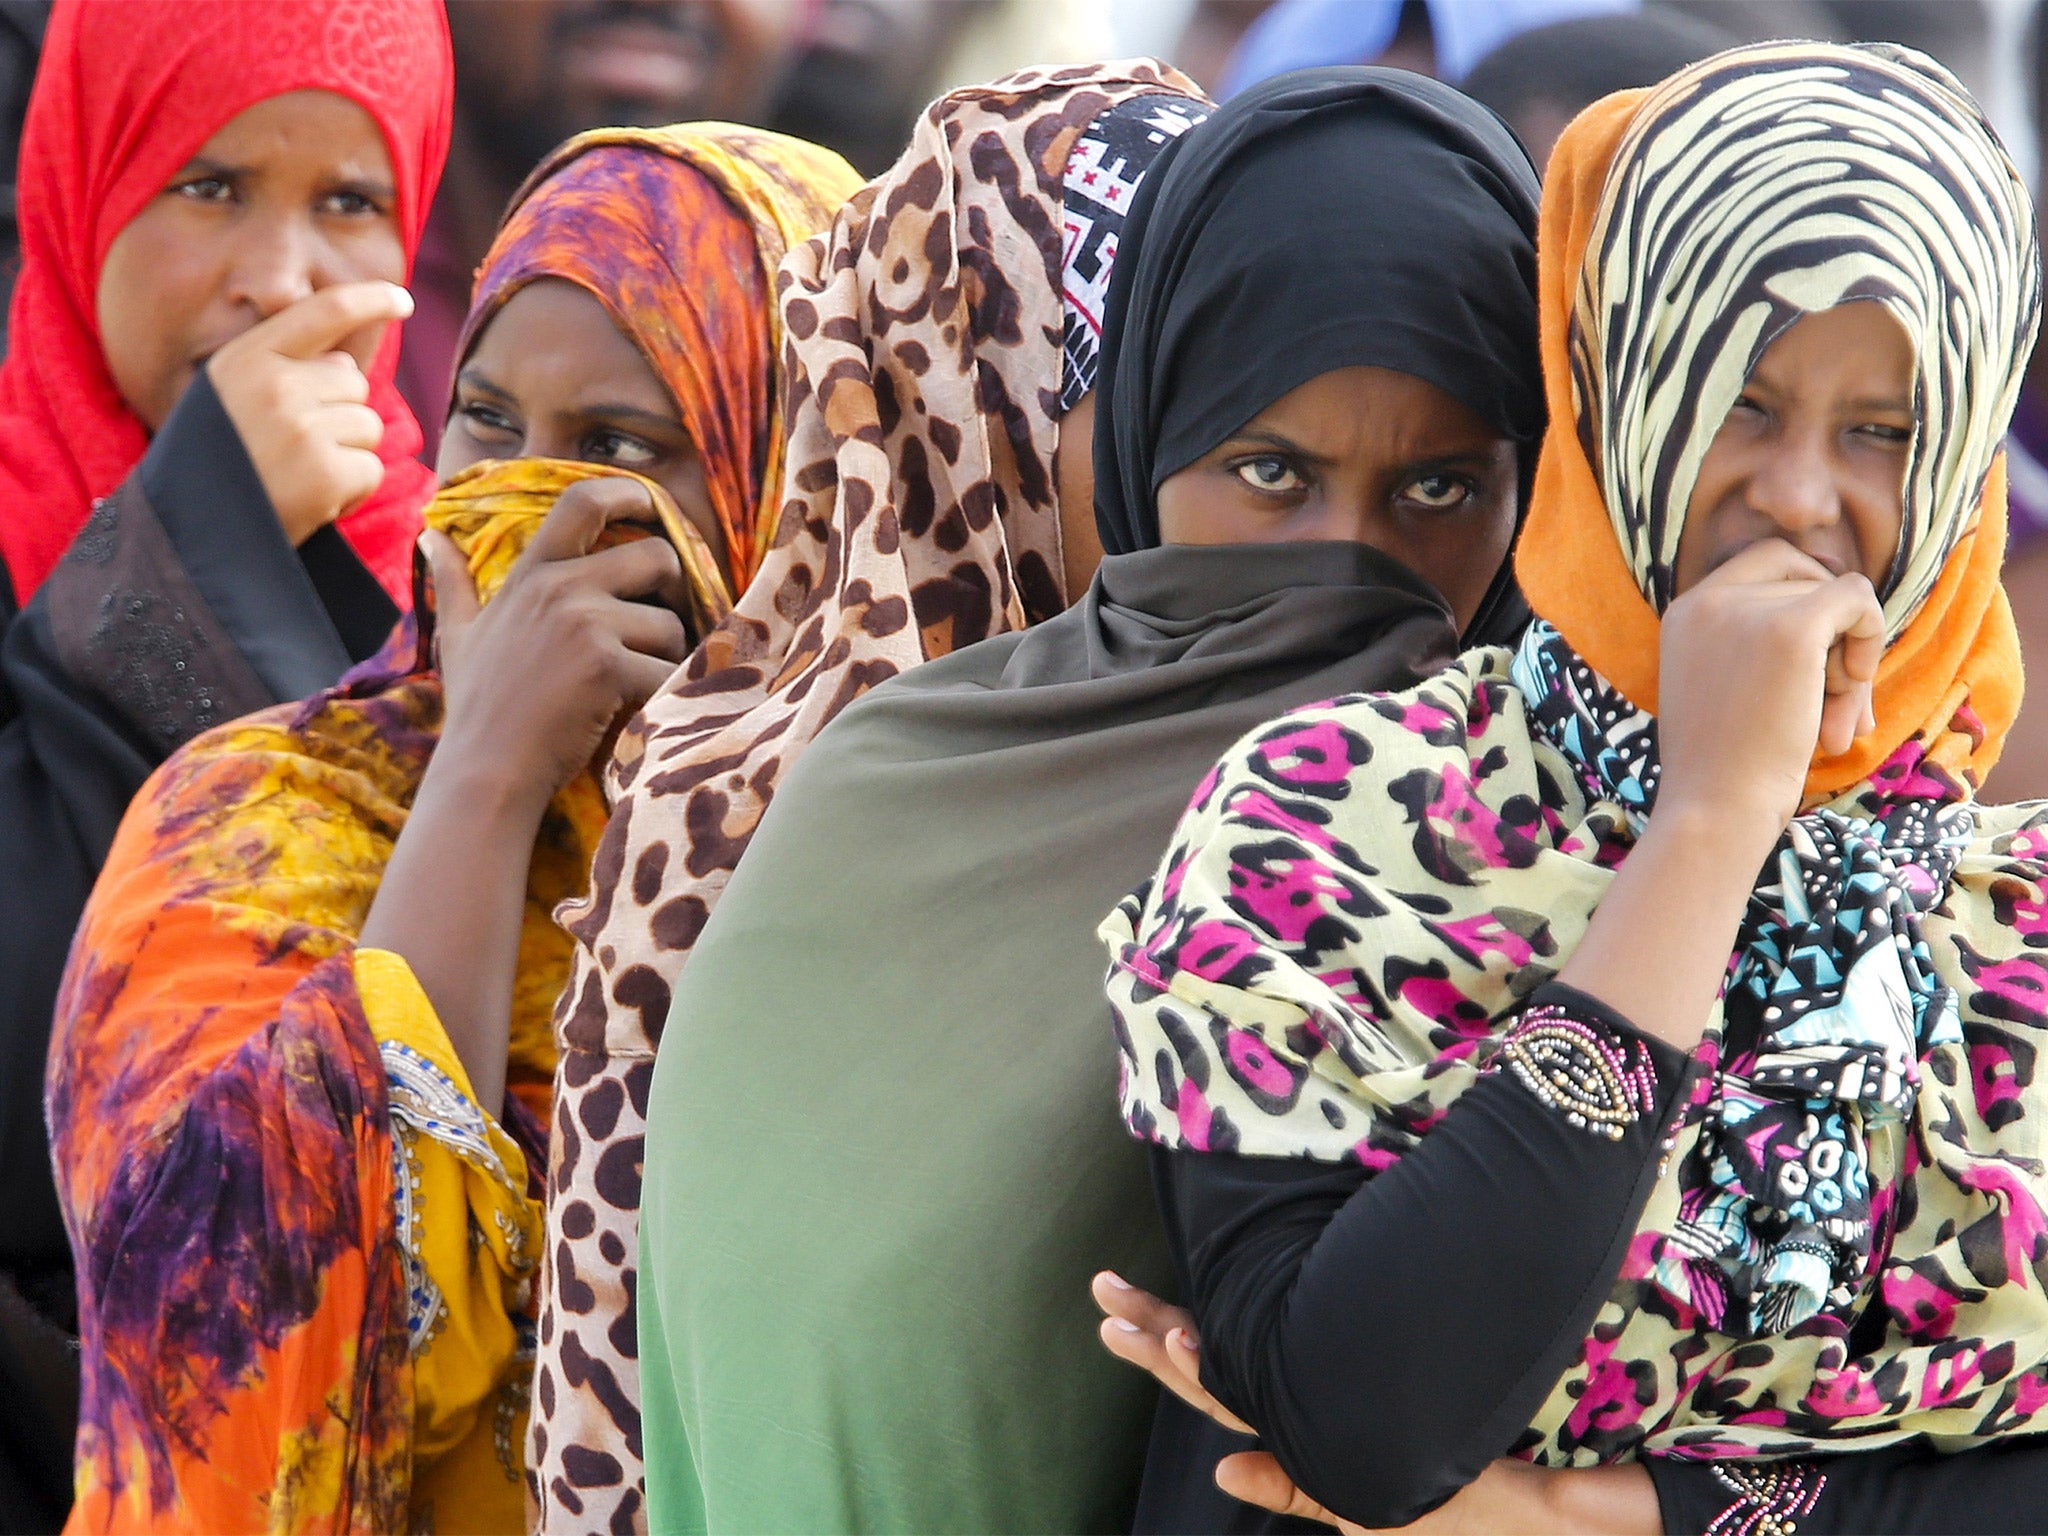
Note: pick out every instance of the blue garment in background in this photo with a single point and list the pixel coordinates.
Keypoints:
(1300, 34)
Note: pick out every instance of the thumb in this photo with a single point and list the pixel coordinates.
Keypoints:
(455, 599)
(1254, 1477)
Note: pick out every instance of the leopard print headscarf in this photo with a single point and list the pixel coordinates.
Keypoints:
(923, 360)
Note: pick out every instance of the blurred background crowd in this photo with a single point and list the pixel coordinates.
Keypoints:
(853, 75)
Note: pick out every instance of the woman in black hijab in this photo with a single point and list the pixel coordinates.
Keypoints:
(881, 1157)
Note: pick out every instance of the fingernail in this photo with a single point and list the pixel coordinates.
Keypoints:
(1117, 1280)
(405, 297)
(1124, 1325)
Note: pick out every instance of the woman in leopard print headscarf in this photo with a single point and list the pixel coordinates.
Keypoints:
(922, 512)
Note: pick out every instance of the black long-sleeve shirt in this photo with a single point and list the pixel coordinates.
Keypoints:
(1907, 1491)
(180, 605)
(1392, 1334)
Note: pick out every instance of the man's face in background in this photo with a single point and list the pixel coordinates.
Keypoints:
(529, 73)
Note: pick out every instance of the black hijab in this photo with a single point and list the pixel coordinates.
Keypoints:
(1329, 218)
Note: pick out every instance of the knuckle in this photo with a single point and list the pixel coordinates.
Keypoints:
(271, 390)
(572, 506)
(593, 635)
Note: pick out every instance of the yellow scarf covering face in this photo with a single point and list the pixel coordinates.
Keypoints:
(493, 509)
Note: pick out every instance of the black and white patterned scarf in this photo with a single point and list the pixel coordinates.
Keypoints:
(1779, 182)
(1104, 169)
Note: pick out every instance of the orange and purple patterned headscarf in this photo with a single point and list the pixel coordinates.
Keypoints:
(629, 209)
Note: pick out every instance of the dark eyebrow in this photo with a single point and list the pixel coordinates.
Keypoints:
(1262, 437)
(205, 165)
(1460, 458)
(632, 414)
(477, 380)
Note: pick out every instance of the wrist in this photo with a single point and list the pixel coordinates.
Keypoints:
(482, 789)
(299, 525)
(1617, 1500)
(1727, 829)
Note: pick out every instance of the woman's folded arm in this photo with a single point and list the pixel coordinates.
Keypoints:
(182, 604)
(1390, 1334)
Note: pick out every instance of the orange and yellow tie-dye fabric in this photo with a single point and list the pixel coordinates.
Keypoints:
(306, 1254)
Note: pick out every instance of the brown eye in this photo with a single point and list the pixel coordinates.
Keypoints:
(1439, 493)
(621, 448)
(349, 204)
(205, 189)
(486, 420)
(1268, 473)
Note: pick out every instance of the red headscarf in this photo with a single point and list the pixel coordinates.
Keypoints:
(126, 94)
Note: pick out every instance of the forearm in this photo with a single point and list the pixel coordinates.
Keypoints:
(451, 903)
(1617, 1500)
(1656, 949)
(223, 530)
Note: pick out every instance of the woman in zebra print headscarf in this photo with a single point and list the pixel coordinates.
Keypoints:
(1622, 1047)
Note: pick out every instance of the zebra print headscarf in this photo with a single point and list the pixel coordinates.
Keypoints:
(1775, 182)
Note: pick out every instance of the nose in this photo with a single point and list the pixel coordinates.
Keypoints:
(279, 259)
(1351, 516)
(544, 440)
(1793, 482)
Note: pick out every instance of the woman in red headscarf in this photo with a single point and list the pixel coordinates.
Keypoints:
(208, 496)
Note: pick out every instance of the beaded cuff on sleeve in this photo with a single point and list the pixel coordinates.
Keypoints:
(1770, 1499)
(1596, 1077)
